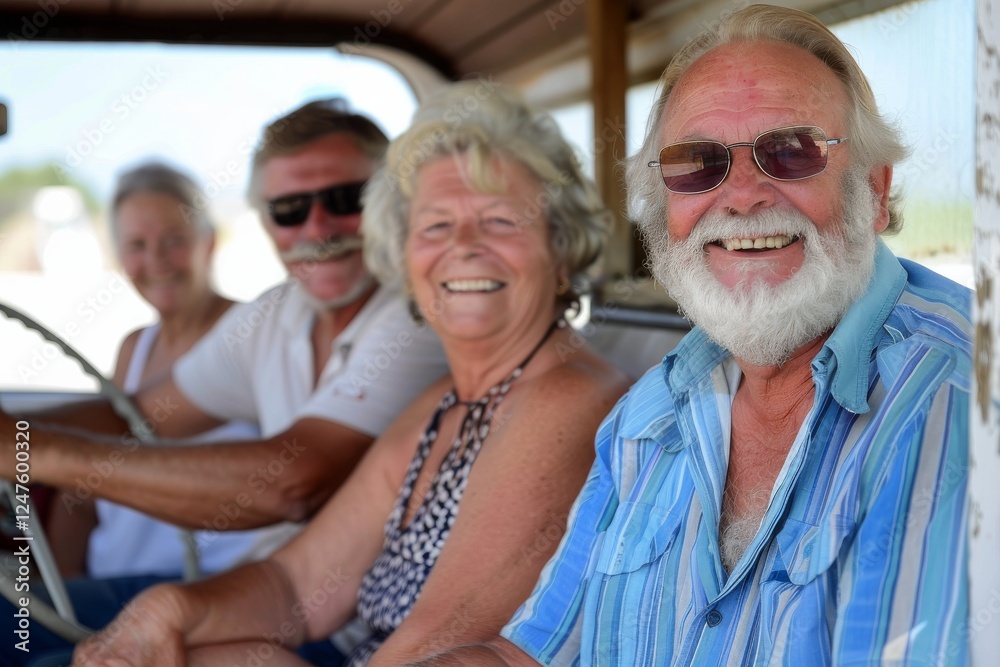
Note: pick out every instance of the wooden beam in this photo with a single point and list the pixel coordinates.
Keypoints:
(234, 30)
(607, 22)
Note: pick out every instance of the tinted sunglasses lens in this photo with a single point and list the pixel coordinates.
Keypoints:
(792, 153)
(694, 166)
(337, 200)
(290, 211)
(342, 199)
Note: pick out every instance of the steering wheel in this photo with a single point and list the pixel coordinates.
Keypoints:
(61, 620)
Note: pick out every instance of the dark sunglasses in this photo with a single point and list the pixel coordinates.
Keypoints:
(292, 210)
(785, 154)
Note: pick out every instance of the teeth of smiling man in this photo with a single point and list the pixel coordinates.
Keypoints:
(756, 244)
(477, 285)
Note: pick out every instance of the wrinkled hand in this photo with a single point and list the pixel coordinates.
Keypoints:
(145, 634)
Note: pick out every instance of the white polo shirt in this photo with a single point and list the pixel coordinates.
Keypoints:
(256, 365)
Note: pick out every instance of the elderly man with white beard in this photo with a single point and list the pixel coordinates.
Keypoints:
(789, 487)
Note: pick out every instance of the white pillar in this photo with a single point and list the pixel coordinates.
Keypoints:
(984, 471)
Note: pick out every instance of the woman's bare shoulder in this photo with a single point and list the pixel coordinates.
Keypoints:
(562, 406)
(580, 374)
(125, 352)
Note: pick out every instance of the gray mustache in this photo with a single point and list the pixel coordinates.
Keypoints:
(319, 251)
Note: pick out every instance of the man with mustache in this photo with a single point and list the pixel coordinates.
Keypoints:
(789, 487)
(322, 363)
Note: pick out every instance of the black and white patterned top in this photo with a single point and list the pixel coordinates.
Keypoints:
(392, 585)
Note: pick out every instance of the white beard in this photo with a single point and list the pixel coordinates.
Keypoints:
(764, 324)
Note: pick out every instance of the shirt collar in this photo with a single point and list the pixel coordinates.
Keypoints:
(653, 417)
(846, 356)
(302, 313)
(360, 323)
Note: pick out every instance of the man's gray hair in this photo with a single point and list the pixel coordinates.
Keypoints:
(299, 128)
(157, 177)
(483, 121)
(873, 140)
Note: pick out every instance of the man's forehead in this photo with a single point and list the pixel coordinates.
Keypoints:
(333, 158)
(328, 148)
(745, 80)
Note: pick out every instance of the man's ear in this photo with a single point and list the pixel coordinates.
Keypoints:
(880, 180)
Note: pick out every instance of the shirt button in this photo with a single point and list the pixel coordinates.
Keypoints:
(713, 618)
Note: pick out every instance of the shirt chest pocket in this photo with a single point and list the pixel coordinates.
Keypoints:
(638, 535)
(797, 596)
(809, 550)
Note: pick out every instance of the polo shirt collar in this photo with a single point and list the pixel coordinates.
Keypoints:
(300, 314)
(363, 320)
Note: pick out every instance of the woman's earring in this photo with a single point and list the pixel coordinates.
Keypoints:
(411, 303)
(563, 286)
(415, 314)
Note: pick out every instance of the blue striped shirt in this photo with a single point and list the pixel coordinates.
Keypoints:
(861, 555)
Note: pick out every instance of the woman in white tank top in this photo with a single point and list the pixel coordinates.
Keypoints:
(164, 239)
